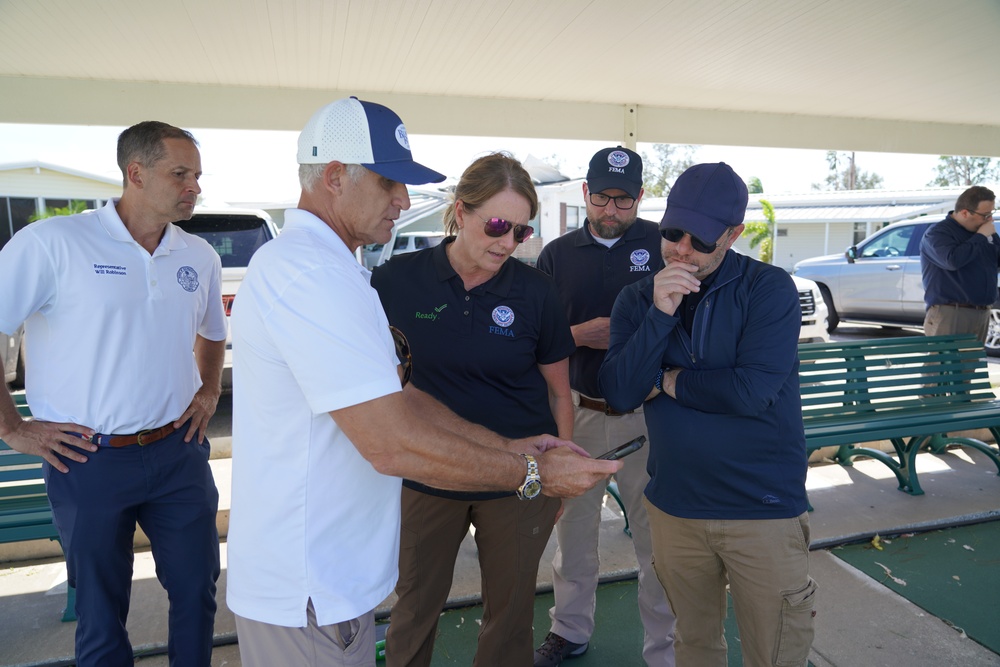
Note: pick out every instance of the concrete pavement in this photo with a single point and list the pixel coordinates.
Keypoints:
(859, 622)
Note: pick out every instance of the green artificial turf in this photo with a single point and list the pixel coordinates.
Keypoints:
(953, 574)
(617, 640)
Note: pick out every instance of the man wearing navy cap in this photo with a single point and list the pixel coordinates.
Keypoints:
(321, 431)
(710, 344)
(590, 266)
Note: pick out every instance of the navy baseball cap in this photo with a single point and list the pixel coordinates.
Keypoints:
(615, 168)
(356, 132)
(706, 200)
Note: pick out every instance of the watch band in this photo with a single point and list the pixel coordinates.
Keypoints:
(532, 480)
(659, 380)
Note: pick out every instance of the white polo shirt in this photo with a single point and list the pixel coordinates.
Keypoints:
(110, 329)
(310, 517)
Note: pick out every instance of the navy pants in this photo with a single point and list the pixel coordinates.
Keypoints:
(167, 487)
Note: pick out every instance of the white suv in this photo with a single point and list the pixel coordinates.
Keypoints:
(235, 234)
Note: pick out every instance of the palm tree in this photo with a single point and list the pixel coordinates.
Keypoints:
(75, 206)
(762, 233)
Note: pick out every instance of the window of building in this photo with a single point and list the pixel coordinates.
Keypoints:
(575, 215)
(14, 214)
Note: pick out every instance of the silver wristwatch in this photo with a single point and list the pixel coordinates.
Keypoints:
(532, 482)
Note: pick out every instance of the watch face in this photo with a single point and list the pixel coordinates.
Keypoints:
(531, 488)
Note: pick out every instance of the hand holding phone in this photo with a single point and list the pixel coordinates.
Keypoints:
(624, 450)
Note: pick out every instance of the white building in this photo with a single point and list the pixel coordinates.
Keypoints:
(27, 188)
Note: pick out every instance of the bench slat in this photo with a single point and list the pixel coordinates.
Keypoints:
(909, 391)
(25, 513)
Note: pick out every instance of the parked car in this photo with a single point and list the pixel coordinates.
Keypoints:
(814, 311)
(10, 355)
(235, 234)
(373, 254)
(878, 281)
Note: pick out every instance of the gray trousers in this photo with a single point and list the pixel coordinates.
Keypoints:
(576, 565)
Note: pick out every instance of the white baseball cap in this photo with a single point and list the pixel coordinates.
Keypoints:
(353, 131)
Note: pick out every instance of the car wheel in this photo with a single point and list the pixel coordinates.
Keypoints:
(993, 334)
(832, 319)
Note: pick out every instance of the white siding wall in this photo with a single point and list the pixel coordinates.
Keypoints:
(41, 182)
(549, 199)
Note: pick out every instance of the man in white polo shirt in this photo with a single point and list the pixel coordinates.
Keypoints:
(322, 432)
(126, 331)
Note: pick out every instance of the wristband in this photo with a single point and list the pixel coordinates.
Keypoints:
(659, 380)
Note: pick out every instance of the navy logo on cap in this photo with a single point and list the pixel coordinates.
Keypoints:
(618, 159)
(187, 278)
(401, 137)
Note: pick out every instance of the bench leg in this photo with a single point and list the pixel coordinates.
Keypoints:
(940, 442)
(904, 473)
(908, 461)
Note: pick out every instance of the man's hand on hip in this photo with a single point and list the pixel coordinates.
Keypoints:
(200, 411)
(49, 439)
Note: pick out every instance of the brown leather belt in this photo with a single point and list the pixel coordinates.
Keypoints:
(601, 406)
(141, 438)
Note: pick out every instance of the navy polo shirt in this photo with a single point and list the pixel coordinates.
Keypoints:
(478, 351)
(589, 277)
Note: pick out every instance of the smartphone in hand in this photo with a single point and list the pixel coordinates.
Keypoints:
(624, 450)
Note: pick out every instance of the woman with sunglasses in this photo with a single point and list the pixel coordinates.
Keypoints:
(490, 340)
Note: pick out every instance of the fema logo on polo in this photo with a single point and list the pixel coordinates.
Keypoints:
(618, 159)
(504, 317)
(401, 137)
(187, 278)
(639, 259)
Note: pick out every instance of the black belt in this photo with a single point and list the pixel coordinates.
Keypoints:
(601, 406)
(967, 305)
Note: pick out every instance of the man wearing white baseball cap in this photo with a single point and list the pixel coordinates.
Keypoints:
(322, 432)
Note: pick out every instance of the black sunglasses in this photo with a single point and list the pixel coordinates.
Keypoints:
(402, 353)
(675, 235)
(498, 227)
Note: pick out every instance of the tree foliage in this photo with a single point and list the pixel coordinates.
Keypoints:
(844, 174)
(75, 206)
(762, 233)
(958, 170)
(754, 186)
(661, 169)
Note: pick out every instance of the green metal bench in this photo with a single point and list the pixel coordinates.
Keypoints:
(24, 508)
(910, 391)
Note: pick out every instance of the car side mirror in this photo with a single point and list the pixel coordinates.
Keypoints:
(851, 254)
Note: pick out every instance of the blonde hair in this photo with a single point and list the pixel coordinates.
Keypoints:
(486, 177)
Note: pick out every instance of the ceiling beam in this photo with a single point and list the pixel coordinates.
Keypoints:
(90, 102)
